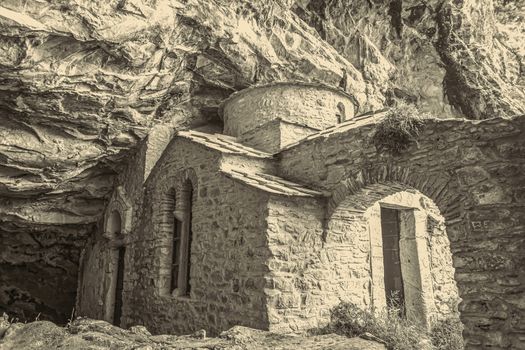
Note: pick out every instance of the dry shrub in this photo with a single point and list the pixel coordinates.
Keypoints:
(447, 334)
(399, 128)
(396, 331)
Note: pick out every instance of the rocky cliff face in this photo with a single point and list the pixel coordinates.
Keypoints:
(452, 58)
(82, 81)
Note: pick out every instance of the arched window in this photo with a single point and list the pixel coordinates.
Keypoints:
(184, 214)
(114, 224)
(168, 231)
(180, 224)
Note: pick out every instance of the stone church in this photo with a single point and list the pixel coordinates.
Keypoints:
(287, 209)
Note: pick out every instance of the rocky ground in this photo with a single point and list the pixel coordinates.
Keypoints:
(84, 334)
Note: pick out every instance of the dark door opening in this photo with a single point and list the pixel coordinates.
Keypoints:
(391, 259)
(117, 313)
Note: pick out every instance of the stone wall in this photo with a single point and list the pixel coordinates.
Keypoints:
(154, 146)
(443, 282)
(295, 239)
(95, 295)
(473, 171)
(266, 137)
(316, 265)
(275, 135)
(291, 133)
(308, 275)
(227, 254)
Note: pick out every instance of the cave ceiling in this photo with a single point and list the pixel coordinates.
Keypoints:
(83, 81)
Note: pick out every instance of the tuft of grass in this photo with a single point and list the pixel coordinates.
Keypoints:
(447, 334)
(71, 319)
(400, 127)
(397, 332)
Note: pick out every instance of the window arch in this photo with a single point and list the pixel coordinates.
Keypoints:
(171, 227)
(114, 298)
(114, 223)
(182, 239)
(176, 231)
(118, 215)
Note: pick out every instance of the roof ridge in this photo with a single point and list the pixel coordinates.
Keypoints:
(221, 143)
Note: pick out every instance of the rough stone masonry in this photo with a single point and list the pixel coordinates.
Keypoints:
(219, 233)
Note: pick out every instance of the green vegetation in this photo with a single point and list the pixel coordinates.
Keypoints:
(394, 330)
(399, 128)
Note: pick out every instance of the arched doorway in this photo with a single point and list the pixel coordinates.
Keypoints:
(115, 296)
(396, 240)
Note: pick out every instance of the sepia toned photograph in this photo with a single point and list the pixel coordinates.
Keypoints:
(262, 174)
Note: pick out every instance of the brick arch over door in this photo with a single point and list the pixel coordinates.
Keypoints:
(483, 270)
(443, 189)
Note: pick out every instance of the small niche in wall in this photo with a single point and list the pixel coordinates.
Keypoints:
(114, 224)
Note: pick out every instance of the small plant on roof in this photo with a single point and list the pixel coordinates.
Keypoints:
(399, 128)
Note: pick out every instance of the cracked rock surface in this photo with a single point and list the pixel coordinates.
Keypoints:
(83, 81)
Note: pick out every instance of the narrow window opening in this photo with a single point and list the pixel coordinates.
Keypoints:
(183, 283)
(390, 229)
(190, 236)
(181, 244)
(175, 264)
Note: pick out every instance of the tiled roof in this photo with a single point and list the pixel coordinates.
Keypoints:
(271, 184)
(222, 143)
(350, 124)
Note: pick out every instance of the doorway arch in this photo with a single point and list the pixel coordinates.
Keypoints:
(398, 242)
(116, 271)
